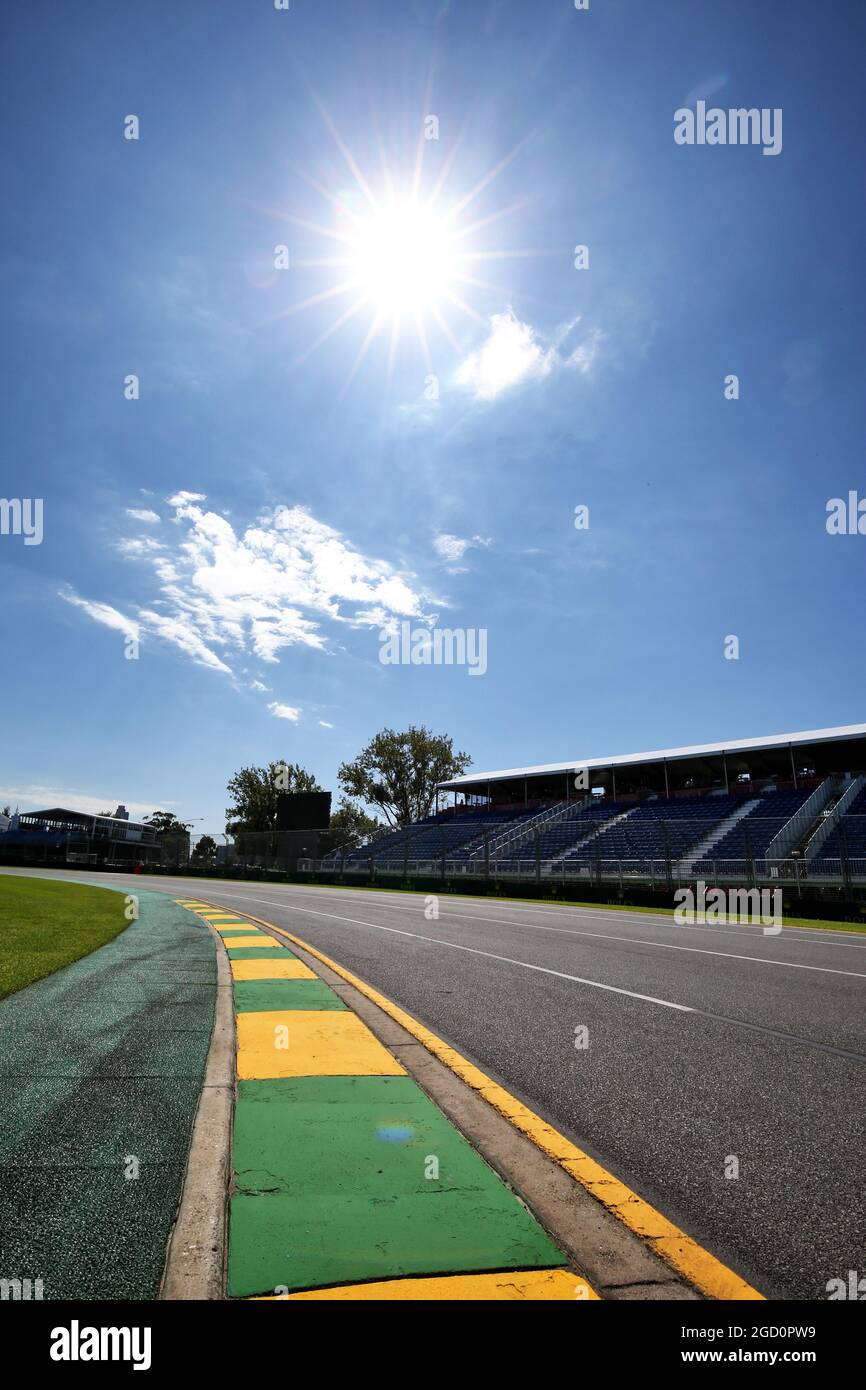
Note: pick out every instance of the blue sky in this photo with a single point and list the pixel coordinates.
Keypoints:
(295, 500)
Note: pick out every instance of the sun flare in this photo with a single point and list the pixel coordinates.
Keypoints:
(404, 255)
(402, 258)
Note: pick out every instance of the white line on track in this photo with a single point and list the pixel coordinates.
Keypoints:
(508, 960)
(567, 931)
(794, 935)
(758, 1028)
(813, 936)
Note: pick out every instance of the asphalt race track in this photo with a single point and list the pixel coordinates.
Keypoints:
(705, 1045)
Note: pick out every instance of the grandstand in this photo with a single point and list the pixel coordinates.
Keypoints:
(792, 806)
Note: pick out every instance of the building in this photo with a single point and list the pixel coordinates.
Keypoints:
(61, 835)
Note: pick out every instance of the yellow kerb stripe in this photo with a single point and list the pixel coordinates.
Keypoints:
(274, 969)
(302, 1042)
(532, 1286)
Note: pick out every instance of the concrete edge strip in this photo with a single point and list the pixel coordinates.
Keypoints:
(680, 1251)
(196, 1255)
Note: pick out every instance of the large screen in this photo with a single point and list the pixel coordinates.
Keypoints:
(303, 810)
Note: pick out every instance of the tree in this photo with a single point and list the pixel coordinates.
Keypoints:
(398, 772)
(171, 833)
(255, 792)
(350, 823)
(205, 850)
(7, 811)
(167, 823)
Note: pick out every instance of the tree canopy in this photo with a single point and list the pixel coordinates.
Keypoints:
(167, 823)
(398, 772)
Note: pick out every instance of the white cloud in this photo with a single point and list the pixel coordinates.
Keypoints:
(258, 685)
(510, 355)
(181, 499)
(324, 724)
(38, 798)
(514, 352)
(453, 548)
(219, 592)
(143, 514)
(284, 711)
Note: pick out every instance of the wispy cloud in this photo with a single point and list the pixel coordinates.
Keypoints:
(143, 514)
(172, 628)
(104, 613)
(138, 545)
(515, 352)
(453, 548)
(707, 87)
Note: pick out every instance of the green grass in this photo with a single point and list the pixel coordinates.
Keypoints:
(45, 925)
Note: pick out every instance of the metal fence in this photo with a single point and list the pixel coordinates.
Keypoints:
(653, 872)
(281, 851)
(829, 853)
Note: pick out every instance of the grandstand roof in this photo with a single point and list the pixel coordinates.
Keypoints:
(804, 738)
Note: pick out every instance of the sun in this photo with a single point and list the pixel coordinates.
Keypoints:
(403, 258)
(403, 254)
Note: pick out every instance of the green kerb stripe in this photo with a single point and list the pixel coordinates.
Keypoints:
(268, 996)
